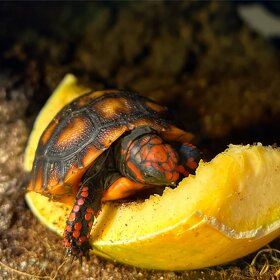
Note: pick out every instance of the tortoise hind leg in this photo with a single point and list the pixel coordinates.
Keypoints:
(79, 223)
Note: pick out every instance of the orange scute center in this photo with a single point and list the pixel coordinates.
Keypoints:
(48, 132)
(71, 132)
(111, 106)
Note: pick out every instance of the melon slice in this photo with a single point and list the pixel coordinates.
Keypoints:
(230, 208)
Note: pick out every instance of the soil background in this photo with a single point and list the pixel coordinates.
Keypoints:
(219, 78)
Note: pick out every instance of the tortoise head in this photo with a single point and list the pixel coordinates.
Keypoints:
(147, 159)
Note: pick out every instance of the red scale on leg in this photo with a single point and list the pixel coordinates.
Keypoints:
(88, 216)
(76, 233)
(72, 217)
(80, 201)
(90, 210)
(68, 228)
(80, 220)
(82, 239)
(84, 194)
(67, 244)
(78, 226)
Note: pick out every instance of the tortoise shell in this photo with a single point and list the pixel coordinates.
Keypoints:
(83, 130)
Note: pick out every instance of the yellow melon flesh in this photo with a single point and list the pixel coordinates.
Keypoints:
(230, 208)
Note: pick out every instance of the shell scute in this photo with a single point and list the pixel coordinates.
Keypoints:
(73, 133)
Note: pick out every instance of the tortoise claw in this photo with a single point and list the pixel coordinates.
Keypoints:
(72, 258)
(78, 252)
(81, 260)
(67, 252)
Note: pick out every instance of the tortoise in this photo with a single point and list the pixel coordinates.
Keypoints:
(107, 145)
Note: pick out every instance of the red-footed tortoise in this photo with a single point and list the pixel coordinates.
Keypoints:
(107, 145)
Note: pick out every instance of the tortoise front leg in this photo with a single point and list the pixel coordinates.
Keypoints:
(79, 223)
(189, 158)
(189, 155)
(121, 188)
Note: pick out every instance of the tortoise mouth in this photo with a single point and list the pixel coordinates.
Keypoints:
(157, 178)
